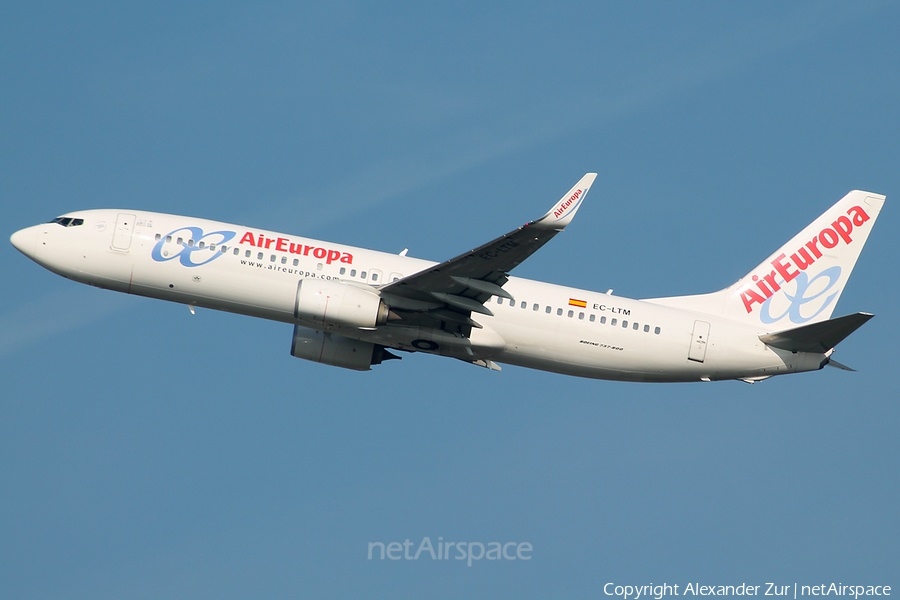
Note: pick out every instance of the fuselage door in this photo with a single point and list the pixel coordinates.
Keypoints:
(699, 341)
(122, 234)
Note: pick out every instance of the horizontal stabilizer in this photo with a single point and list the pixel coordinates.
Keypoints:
(837, 365)
(817, 337)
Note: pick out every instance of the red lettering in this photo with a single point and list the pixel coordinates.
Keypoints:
(296, 248)
(332, 256)
(832, 238)
(805, 255)
(812, 245)
(248, 237)
(281, 245)
(319, 252)
(347, 258)
(268, 243)
(783, 268)
(562, 207)
(761, 286)
(306, 250)
(843, 226)
(770, 279)
(859, 215)
(749, 297)
(803, 260)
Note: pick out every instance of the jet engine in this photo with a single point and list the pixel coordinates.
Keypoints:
(337, 350)
(332, 303)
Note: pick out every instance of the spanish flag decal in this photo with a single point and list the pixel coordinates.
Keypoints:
(579, 303)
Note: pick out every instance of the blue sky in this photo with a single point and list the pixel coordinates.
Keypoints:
(146, 452)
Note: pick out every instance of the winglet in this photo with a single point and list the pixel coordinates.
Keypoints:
(561, 214)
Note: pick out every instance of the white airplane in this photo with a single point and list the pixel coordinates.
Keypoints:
(350, 305)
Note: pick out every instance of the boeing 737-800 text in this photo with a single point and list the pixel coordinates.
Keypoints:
(349, 306)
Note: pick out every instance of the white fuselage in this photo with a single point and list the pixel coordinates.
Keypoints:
(255, 272)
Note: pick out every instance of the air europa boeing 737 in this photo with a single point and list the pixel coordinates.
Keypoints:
(350, 306)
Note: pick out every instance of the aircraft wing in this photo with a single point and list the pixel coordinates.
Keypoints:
(455, 288)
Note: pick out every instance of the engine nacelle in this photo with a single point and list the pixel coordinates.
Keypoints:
(337, 350)
(332, 303)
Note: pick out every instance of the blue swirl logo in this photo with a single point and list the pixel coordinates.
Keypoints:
(800, 298)
(185, 252)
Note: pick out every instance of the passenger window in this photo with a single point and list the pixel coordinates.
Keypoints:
(559, 312)
(247, 254)
(656, 331)
(202, 245)
(362, 274)
(535, 307)
(237, 251)
(284, 260)
(212, 247)
(499, 300)
(180, 241)
(158, 237)
(635, 326)
(259, 256)
(296, 261)
(512, 302)
(319, 267)
(646, 329)
(190, 243)
(613, 322)
(548, 310)
(374, 276)
(168, 239)
(625, 324)
(581, 316)
(343, 269)
(593, 318)
(352, 272)
(524, 304)
(570, 314)
(271, 258)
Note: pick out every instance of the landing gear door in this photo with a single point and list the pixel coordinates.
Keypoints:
(122, 234)
(699, 341)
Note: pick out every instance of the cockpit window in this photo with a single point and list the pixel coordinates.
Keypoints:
(68, 221)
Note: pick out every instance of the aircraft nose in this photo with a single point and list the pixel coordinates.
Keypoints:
(25, 240)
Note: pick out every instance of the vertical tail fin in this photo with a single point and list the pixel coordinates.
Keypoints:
(801, 282)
